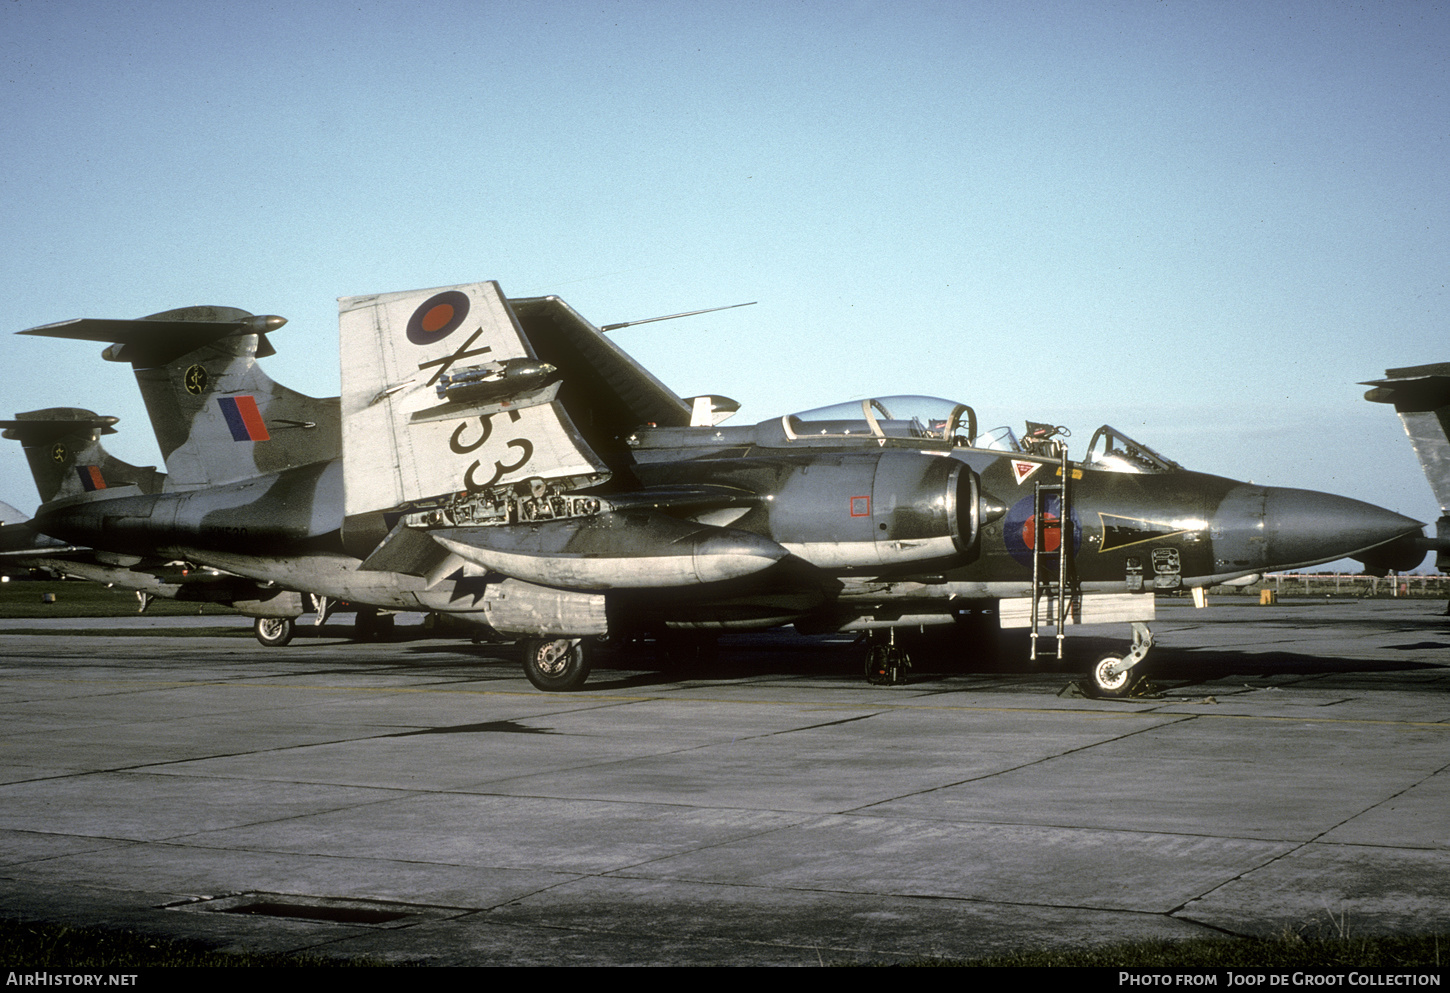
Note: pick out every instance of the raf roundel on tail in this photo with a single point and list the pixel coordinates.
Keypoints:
(437, 317)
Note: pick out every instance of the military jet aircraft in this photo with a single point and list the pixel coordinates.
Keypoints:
(506, 462)
(238, 447)
(1421, 396)
(71, 467)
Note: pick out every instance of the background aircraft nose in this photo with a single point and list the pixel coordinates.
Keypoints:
(1270, 527)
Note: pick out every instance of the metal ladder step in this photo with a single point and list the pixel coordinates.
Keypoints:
(1066, 588)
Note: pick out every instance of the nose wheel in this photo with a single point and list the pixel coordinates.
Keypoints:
(1112, 675)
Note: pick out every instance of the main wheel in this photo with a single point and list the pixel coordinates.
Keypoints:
(274, 632)
(1111, 684)
(370, 625)
(556, 664)
(383, 629)
(886, 665)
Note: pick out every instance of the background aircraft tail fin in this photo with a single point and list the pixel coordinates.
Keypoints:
(1421, 396)
(443, 397)
(217, 416)
(63, 447)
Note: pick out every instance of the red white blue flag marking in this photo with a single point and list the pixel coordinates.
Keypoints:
(91, 478)
(244, 420)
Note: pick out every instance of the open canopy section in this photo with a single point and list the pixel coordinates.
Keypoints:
(1112, 451)
(887, 417)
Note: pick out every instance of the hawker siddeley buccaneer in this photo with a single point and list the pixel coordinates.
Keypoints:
(505, 462)
(252, 468)
(1421, 396)
(72, 469)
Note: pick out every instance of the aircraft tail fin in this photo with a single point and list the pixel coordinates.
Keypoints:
(217, 416)
(63, 447)
(1421, 396)
(444, 399)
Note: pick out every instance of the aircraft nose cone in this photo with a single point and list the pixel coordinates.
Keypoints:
(1270, 527)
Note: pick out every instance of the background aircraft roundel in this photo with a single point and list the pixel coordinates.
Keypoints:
(437, 317)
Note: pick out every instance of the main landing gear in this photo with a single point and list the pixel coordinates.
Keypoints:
(887, 664)
(556, 664)
(1112, 675)
(372, 625)
(274, 632)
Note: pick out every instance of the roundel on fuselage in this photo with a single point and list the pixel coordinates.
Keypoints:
(1019, 528)
(437, 317)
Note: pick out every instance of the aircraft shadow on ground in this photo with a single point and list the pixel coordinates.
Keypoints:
(937, 657)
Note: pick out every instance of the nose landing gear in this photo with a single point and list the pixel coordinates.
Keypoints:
(1112, 675)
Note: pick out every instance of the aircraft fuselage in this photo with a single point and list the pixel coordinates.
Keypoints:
(871, 524)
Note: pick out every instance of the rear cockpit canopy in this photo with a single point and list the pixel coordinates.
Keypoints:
(887, 417)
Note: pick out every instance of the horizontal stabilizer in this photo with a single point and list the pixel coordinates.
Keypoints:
(616, 550)
(41, 427)
(158, 339)
(1415, 388)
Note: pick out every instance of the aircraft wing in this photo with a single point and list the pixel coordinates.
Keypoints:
(442, 394)
(607, 391)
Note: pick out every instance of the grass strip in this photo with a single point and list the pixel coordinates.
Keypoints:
(34, 945)
(30, 945)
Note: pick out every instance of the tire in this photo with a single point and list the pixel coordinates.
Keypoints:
(1113, 687)
(274, 632)
(556, 664)
(371, 625)
(886, 665)
(384, 629)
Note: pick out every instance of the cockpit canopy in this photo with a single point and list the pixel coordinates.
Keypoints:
(1112, 451)
(888, 417)
(936, 419)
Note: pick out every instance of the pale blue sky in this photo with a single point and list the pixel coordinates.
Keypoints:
(1202, 222)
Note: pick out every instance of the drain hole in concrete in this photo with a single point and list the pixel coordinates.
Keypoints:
(341, 915)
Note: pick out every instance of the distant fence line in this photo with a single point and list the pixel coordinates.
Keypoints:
(1343, 584)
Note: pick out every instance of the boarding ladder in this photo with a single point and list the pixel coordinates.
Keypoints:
(1063, 590)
